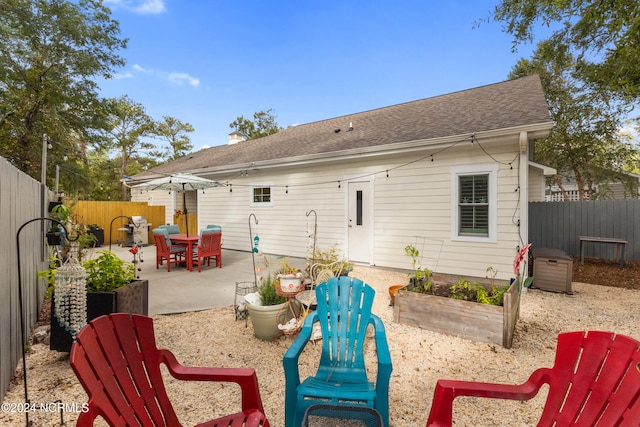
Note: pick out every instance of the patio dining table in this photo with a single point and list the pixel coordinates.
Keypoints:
(187, 240)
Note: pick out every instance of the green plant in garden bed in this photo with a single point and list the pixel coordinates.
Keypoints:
(108, 272)
(472, 291)
(420, 279)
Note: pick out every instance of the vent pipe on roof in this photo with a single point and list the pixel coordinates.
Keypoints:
(235, 137)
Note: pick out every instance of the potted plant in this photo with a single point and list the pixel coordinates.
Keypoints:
(98, 232)
(267, 309)
(288, 278)
(111, 286)
(330, 257)
(62, 213)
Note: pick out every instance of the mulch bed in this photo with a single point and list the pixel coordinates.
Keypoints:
(605, 272)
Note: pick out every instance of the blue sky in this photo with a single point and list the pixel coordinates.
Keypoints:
(208, 62)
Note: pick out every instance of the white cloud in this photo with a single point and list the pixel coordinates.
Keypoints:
(142, 7)
(150, 7)
(139, 68)
(180, 78)
(175, 78)
(120, 76)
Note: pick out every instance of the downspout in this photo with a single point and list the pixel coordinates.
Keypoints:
(524, 189)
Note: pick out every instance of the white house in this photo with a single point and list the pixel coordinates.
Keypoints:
(449, 174)
(627, 187)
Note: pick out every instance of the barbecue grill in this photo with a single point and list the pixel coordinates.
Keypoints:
(138, 231)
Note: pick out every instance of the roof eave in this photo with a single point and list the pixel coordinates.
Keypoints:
(546, 170)
(534, 131)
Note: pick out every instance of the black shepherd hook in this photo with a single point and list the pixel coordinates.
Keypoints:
(111, 225)
(253, 254)
(315, 232)
(22, 327)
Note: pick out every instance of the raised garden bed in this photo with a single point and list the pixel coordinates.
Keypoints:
(464, 319)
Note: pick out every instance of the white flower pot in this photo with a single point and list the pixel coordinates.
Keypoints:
(291, 283)
(265, 319)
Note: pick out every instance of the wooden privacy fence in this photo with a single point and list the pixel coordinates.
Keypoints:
(102, 213)
(559, 225)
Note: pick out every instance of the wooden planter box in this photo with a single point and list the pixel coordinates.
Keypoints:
(464, 319)
(133, 298)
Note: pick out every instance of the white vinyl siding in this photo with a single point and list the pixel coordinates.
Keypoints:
(414, 201)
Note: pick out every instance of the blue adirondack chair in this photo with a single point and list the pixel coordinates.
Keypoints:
(344, 312)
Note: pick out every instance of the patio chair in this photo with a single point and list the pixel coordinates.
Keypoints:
(173, 254)
(344, 313)
(208, 247)
(319, 273)
(118, 364)
(594, 380)
(171, 228)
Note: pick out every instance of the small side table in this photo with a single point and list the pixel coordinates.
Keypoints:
(242, 289)
(620, 244)
(341, 415)
(294, 308)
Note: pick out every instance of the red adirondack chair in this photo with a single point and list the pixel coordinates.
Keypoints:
(172, 254)
(117, 362)
(210, 246)
(594, 381)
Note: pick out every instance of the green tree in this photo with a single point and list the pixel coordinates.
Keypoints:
(603, 35)
(585, 144)
(174, 132)
(263, 124)
(50, 53)
(129, 125)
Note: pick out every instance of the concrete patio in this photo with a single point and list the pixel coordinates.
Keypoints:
(182, 291)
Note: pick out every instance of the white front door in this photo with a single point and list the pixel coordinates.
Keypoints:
(359, 221)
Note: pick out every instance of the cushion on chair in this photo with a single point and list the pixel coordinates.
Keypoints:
(164, 232)
(171, 228)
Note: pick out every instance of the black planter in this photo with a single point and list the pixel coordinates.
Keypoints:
(54, 238)
(98, 304)
(99, 233)
(133, 298)
(53, 205)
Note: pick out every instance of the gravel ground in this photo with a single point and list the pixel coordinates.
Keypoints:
(420, 358)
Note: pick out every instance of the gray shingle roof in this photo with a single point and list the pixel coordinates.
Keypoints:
(512, 103)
